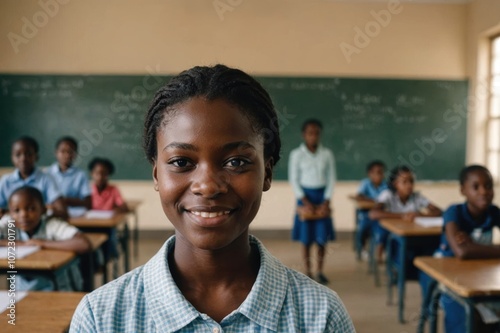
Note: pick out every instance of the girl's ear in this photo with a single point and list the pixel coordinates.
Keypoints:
(155, 178)
(268, 176)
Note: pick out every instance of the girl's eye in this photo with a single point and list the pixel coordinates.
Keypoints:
(236, 163)
(180, 163)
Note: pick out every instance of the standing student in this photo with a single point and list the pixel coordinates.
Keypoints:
(400, 201)
(24, 157)
(104, 195)
(72, 181)
(468, 233)
(27, 209)
(311, 171)
(204, 134)
(369, 190)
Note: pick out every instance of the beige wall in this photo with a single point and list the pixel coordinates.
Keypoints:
(280, 37)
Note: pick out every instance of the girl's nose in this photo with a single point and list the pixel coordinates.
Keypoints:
(209, 182)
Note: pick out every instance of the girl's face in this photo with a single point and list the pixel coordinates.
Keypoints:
(65, 154)
(100, 175)
(404, 184)
(210, 172)
(23, 157)
(26, 211)
(478, 189)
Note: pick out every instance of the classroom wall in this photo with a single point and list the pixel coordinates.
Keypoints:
(280, 37)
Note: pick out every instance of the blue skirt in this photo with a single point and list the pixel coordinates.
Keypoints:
(316, 231)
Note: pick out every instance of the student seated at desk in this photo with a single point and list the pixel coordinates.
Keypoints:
(26, 208)
(24, 156)
(204, 136)
(73, 182)
(104, 195)
(369, 190)
(400, 201)
(468, 233)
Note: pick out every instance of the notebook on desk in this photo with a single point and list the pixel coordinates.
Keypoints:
(429, 222)
(99, 214)
(19, 251)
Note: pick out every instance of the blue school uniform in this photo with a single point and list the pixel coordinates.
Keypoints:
(315, 231)
(481, 232)
(38, 179)
(365, 224)
(73, 183)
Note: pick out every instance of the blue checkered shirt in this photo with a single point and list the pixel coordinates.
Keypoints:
(148, 300)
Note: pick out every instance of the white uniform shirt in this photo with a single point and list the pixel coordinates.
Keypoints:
(311, 170)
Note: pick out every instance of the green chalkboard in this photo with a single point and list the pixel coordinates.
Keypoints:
(418, 122)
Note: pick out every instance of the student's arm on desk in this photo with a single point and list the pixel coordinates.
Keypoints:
(432, 211)
(85, 202)
(79, 244)
(362, 197)
(465, 248)
(379, 212)
(59, 209)
(123, 208)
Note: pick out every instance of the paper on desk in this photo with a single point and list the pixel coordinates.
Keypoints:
(429, 221)
(20, 251)
(5, 299)
(99, 214)
(76, 211)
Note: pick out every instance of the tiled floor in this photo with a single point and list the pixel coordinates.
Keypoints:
(366, 303)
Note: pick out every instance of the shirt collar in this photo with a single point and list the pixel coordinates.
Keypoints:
(40, 231)
(306, 150)
(172, 310)
(486, 223)
(69, 171)
(17, 175)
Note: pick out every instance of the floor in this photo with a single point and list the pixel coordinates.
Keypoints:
(366, 303)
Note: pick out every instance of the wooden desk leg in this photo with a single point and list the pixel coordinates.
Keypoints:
(126, 248)
(426, 305)
(136, 235)
(389, 269)
(402, 277)
(433, 309)
(87, 269)
(355, 236)
(372, 261)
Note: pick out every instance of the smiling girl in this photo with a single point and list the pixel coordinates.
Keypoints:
(211, 135)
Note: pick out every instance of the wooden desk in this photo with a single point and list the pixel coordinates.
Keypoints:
(43, 262)
(132, 206)
(406, 234)
(468, 281)
(43, 312)
(105, 225)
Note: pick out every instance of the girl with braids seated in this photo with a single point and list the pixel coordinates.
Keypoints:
(211, 135)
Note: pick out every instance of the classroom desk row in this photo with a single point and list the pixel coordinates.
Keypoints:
(467, 281)
(43, 312)
(53, 263)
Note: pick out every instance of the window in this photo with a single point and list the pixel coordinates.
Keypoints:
(493, 136)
